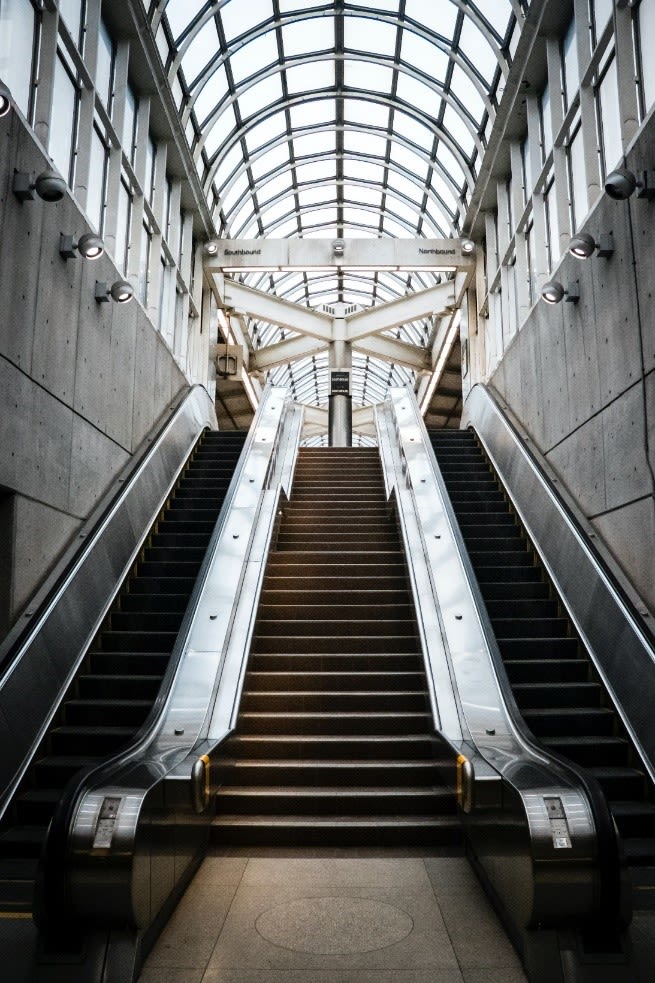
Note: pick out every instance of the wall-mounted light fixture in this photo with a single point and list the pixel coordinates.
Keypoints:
(582, 245)
(620, 184)
(211, 248)
(121, 291)
(467, 247)
(553, 292)
(5, 99)
(90, 246)
(339, 247)
(48, 185)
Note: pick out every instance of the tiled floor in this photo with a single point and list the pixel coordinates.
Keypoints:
(338, 917)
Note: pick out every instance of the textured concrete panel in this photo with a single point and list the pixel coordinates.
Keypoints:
(16, 451)
(95, 459)
(532, 397)
(144, 383)
(51, 438)
(581, 347)
(93, 363)
(120, 380)
(580, 463)
(616, 323)
(626, 469)
(554, 378)
(40, 535)
(630, 533)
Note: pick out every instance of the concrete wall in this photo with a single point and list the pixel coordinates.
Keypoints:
(81, 383)
(581, 379)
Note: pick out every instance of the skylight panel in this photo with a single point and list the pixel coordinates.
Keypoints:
(328, 232)
(239, 17)
(308, 197)
(279, 209)
(497, 12)
(288, 5)
(362, 216)
(451, 164)
(417, 94)
(405, 211)
(310, 34)
(462, 86)
(458, 129)
(270, 160)
(311, 76)
(274, 187)
(262, 133)
(228, 163)
(413, 130)
(239, 187)
(424, 55)
(287, 281)
(259, 95)
(320, 170)
(391, 5)
(373, 36)
(180, 13)
(364, 171)
(312, 113)
(404, 187)
(477, 49)
(353, 232)
(408, 159)
(284, 230)
(438, 17)
(365, 143)
(242, 217)
(363, 194)
(320, 142)
(203, 47)
(223, 126)
(367, 112)
(367, 75)
(252, 57)
(319, 216)
(211, 94)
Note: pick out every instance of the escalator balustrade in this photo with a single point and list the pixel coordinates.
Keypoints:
(334, 742)
(118, 682)
(554, 682)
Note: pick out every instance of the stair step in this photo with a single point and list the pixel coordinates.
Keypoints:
(334, 801)
(334, 702)
(347, 724)
(382, 748)
(335, 643)
(344, 830)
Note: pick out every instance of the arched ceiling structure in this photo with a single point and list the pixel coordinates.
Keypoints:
(341, 119)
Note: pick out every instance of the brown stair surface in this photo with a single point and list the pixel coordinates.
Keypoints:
(334, 743)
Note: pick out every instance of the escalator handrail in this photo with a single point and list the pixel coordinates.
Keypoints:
(86, 584)
(53, 891)
(611, 909)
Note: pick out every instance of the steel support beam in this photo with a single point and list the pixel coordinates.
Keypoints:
(273, 309)
(413, 307)
(392, 350)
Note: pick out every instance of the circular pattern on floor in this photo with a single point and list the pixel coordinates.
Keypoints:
(334, 926)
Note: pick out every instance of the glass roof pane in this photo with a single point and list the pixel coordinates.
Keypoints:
(362, 216)
(274, 187)
(462, 86)
(242, 216)
(364, 143)
(228, 163)
(413, 130)
(438, 17)
(270, 160)
(310, 34)
(316, 75)
(364, 171)
(211, 94)
(267, 130)
(408, 159)
(403, 186)
(323, 141)
(373, 36)
(314, 196)
(201, 49)
(362, 193)
(239, 17)
(319, 216)
(367, 112)
(180, 13)
(497, 12)
(425, 55)
(219, 131)
(259, 95)
(279, 209)
(367, 75)
(254, 56)
(287, 228)
(321, 170)
(232, 196)
(449, 161)
(380, 5)
(478, 50)
(313, 113)
(328, 232)
(417, 94)
(458, 130)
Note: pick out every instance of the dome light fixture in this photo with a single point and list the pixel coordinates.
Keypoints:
(622, 183)
(339, 247)
(553, 292)
(467, 246)
(90, 246)
(211, 247)
(49, 186)
(582, 245)
(5, 99)
(121, 292)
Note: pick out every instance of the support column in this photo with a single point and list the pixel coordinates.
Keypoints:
(340, 408)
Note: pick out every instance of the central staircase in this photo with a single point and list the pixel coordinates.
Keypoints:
(334, 742)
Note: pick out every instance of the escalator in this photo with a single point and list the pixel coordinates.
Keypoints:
(115, 689)
(334, 743)
(559, 693)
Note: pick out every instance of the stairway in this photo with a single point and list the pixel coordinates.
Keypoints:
(334, 741)
(120, 677)
(561, 697)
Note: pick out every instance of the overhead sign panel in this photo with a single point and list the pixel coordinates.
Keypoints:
(239, 255)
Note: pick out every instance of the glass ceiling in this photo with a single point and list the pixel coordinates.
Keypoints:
(343, 119)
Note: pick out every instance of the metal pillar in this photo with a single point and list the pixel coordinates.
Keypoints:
(340, 408)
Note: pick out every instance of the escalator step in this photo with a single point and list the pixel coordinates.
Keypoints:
(635, 819)
(56, 770)
(539, 648)
(146, 621)
(137, 687)
(106, 713)
(139, 602)
(553, 695)
(125, 663)
(22, 841)
(162, 585)
(495, 574)
(548, 671)
(138, 641)
(66, 739)
(516, 590)
(525, 628)
(36, 806)
(521, 608)
(588, 751)
(619, 782)
(548, 722)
